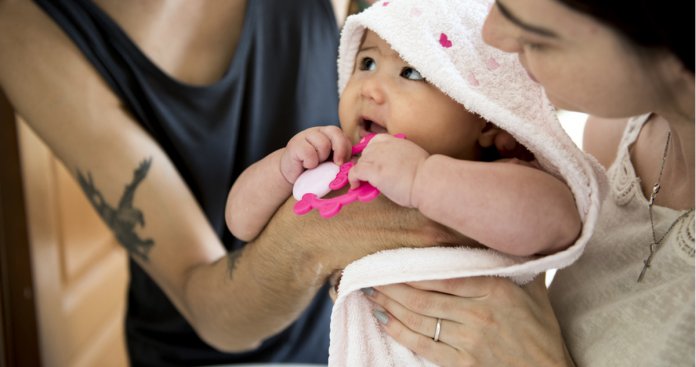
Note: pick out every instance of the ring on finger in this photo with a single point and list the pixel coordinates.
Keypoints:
(438, 327)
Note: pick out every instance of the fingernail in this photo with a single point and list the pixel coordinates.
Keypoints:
(381, 317)
(368, 291)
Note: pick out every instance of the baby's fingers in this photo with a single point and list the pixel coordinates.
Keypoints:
(340, 144)
(321, 144)
(360, 172)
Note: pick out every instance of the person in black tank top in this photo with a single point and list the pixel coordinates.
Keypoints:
(156, 156)
(234, 127)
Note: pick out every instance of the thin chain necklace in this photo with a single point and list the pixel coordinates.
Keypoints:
(655, 244)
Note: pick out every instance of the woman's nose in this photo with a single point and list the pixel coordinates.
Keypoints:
(497, 33)
(373, 88)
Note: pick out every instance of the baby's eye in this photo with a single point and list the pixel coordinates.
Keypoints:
(411, 74)
(367, 63)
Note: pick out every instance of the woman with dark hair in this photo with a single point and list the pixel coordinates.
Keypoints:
(629, 300)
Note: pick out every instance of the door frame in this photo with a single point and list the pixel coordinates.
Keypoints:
(19, 339)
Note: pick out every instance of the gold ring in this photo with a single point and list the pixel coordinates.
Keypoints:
(438, 327)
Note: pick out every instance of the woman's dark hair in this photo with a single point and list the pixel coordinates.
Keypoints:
(667, 25)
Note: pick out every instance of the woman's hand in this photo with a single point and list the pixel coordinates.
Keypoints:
(485, 321)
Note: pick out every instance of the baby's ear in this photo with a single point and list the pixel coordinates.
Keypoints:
(494, 138)
(492, 135)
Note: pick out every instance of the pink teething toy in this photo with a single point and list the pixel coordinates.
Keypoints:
(311, 186)
(315, 181)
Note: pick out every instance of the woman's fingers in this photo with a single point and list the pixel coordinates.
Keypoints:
(489, 321)
(474, 287)
(419, 311)
(438, 352)
(421, 323)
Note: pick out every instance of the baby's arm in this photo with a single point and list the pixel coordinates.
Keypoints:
(511, 207)
(265, 185)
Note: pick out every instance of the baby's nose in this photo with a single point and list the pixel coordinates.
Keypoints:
(373, 89)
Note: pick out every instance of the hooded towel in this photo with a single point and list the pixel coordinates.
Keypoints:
(442, 40)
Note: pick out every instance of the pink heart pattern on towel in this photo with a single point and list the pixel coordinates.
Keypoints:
(444, 41)
(492, 64)
(472, 79)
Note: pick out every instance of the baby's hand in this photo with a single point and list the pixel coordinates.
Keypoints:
(312, 146)
(389, 164)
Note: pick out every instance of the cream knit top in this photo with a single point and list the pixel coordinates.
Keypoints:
(607, 318)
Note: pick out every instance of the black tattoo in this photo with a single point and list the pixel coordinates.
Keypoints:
(125, 218)
(232, 258)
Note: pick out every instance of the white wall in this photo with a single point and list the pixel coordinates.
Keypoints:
(574, 124)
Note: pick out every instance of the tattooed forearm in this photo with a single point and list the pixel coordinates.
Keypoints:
(232, 258)
(123, 219)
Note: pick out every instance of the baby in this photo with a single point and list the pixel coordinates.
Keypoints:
(443, 167)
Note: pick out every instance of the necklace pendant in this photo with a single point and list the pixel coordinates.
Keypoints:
(642, 272)
(656, 189)
(646, 264)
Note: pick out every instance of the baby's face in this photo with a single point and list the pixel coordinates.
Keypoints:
(386, 95)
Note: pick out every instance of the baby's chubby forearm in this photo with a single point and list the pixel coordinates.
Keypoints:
(255, 196)
(513, 208)
(265, 185)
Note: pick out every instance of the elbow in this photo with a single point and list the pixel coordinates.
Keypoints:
(570, 227)
(240, 232)
(211, 320)
(556, 234)
(573, 232)
(236, 225)
(566, 219)
(219, 333)
(227, 343)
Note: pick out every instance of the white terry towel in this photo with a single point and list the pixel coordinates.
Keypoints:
(442, 40)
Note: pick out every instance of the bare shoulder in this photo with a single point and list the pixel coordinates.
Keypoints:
(30, 42)
(602, 137)
(10, 11)
(17, 18)
(49, 82)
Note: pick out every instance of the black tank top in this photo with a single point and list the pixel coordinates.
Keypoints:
(281, 80)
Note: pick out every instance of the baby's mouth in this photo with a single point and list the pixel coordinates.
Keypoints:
(372, 127)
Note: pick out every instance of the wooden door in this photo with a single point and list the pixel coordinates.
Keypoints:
(19, 344)
(79, 269)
